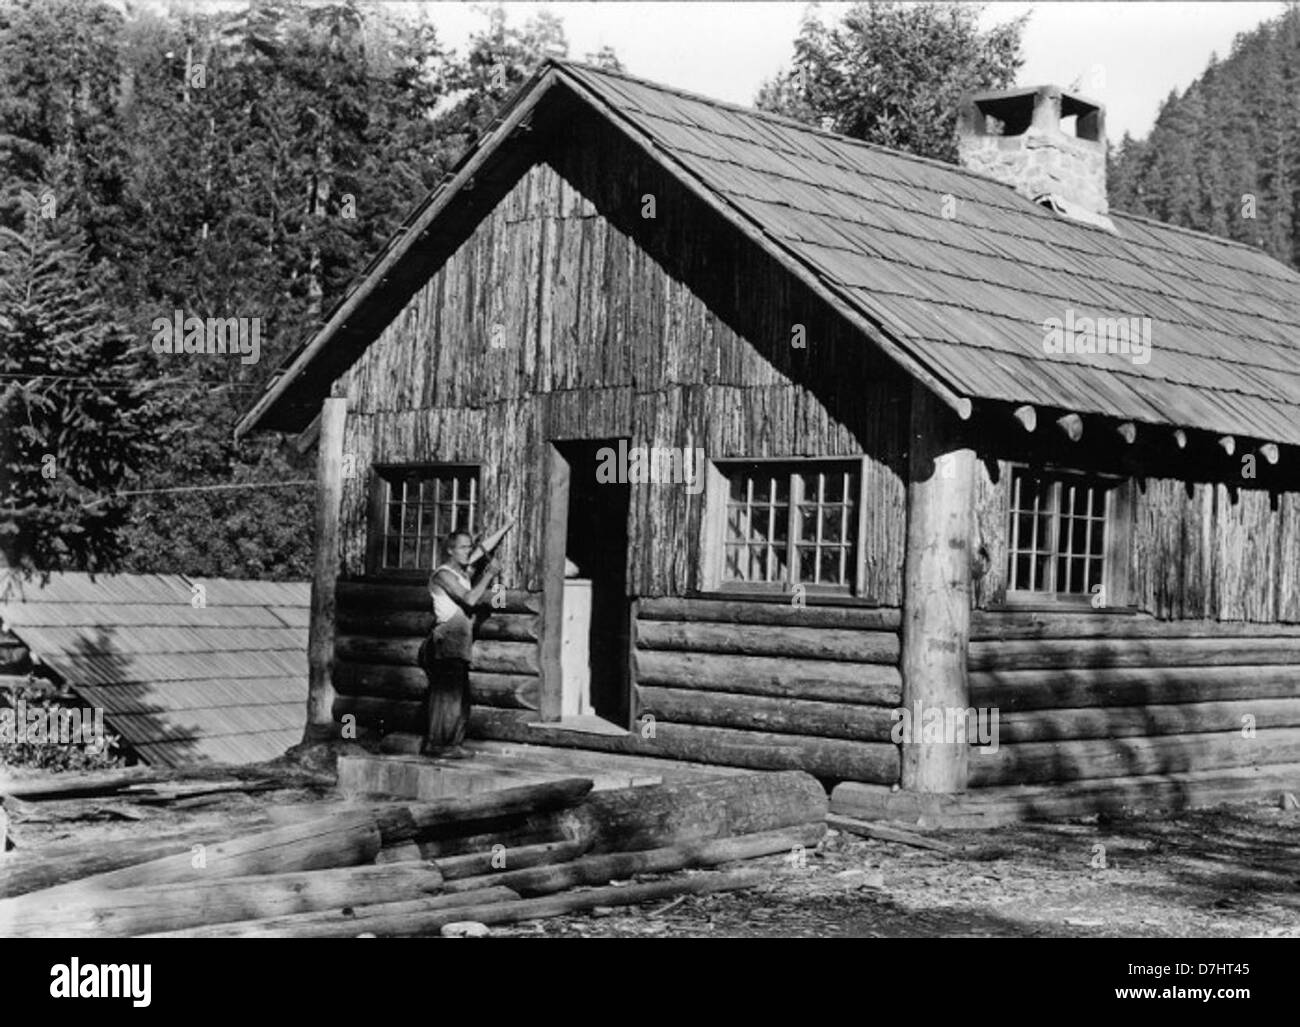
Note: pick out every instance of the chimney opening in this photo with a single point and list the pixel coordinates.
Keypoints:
(1080, 119)
(1005, 116)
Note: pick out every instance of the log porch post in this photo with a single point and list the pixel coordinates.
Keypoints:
(320, 635)
(937, 589)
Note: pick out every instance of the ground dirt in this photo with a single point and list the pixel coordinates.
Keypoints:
(1232, 871)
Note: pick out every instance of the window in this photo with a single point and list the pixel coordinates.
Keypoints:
(789, 524)
(1058, 532)
(414, 507)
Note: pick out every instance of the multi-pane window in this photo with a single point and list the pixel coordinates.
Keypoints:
(1057, 533)
(418, 507)
(790, 524)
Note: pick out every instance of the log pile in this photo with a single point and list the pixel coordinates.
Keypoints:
(404, 868)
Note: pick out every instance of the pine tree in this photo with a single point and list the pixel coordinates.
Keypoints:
(79, 422)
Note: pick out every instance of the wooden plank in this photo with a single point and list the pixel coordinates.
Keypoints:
(555, 546)
(738, 611)
(1067, 689)
(381, 596)
(376, 621)
(818, 680)
(129, 912)
(754, 713)
(1041, 762)
(1013, 626)
(1147, 720)
(755, 640)
(388, 681)
(493, 657)
(1002, 804)
(824, 757)
(1066, 654)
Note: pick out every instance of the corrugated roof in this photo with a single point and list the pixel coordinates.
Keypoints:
(968, 296)
(224, 682)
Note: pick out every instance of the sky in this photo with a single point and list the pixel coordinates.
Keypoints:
(1128, 56)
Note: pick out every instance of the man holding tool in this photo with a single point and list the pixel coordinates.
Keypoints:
(445, 654)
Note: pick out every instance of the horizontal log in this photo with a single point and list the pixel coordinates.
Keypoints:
(756, 640)
(824, 757)
(494, 657)
(987, 625)
(1065, 689)
(129, 912)
(376, 919)
(390, 595)
(500, 626)
(465, 814)
(738, 611)
(384, 715)
(754, 713)
(819, 680)
(1003, 804)
(601, 869)
(1133, 721)
(886, 833)
(1043, 762)
(429, 916)
(342, 839)
(503, 858)
(389, 681)
(1062, 654)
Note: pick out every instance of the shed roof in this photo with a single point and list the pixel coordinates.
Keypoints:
(957, 274)
(224, 682)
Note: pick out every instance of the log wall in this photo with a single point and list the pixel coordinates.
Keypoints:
(749, 684)
(1092, 696)
(566, 315)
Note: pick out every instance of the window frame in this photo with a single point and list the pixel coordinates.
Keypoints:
(377, 534)
(1114, 554)
(714, 530)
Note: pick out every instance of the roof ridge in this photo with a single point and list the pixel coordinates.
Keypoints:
(878, 148)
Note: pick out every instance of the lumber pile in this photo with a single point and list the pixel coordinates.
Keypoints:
(403, 868)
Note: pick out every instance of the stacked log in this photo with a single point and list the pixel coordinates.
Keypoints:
(381, 626)
(1101, 696)
(327, 875)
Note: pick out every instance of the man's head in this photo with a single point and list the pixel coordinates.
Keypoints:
(457, 546)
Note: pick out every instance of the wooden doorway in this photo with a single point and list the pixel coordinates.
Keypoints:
(586, 625)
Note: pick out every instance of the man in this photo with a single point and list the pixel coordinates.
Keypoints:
(445, 654)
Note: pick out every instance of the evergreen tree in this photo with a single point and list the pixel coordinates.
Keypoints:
(894, 74)
(79, 422)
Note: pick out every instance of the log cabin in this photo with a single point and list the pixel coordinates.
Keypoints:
(968, 440)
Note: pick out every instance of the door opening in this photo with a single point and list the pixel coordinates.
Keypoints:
(586, 582)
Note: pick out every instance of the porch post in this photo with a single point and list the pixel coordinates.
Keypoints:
(937, 590)
(320, 636)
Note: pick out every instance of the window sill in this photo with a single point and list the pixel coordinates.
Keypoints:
(1064, 604)
(822, 597)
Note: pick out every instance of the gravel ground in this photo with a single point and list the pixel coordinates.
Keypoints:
(1231, 871)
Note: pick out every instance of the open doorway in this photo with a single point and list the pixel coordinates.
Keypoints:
(586, 624)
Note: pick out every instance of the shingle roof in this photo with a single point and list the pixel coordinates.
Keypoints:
(224, 682)
(965, 298)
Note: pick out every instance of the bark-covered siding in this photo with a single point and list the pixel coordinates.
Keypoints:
(566, 314)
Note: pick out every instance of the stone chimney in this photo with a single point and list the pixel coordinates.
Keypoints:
(1050, 145)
